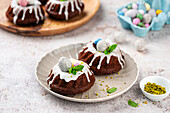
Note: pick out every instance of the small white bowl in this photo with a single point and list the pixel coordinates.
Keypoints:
(159, 81)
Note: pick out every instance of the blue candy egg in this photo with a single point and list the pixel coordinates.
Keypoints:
(97, 41)
(162, 16)
(121, 13)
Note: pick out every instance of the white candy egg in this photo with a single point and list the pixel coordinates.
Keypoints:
(102, 46)
(140, 45)
(119, 37)
(64, 64)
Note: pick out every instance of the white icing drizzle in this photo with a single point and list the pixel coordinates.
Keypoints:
(68, 77)
(34, 5)
(116, 53)
(65, 4)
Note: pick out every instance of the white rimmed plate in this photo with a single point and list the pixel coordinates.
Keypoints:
(123, 81)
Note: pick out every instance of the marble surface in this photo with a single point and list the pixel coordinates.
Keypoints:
(20, 92)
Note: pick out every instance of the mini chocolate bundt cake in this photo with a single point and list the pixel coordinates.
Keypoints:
(103, 57)
(25, 12)
(70, 77)
(43, 1)
(64, 9)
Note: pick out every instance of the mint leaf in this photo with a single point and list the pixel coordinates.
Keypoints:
(113, 47)
(111, 90)
(132, 103)
(75, 69)
(110, 49)
(70, 70)
(106, 52)
(74, 72)
(78, 67)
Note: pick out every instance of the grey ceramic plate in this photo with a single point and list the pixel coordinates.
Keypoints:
(123, 81)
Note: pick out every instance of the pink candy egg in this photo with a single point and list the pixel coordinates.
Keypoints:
(76, 64)
(134, 6)
(124, 10)
(136, 21)
(147, 25)
(141, 12)
(23, 3)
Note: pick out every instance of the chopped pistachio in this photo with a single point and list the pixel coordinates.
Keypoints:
(155, 89)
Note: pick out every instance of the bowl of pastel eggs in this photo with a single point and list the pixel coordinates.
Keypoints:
(144, 15)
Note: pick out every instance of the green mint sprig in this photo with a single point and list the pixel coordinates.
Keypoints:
(132, 103)
(75, 69)
(111, 90)
(110, 49)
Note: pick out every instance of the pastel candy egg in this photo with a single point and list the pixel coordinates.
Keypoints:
(162, 17)
(147, 25)
(134, 6)
(141, 45)
(23, 3)
(152, 12)
(124, 10)
(158, 11)
(131, 13)
(64, 64)
(141, 12)
(148, 7)
(119, 37)
(76, 64)
(102, 46)
(140, 16)
(97, 41)
(136, 21)
(141, 24)
(121, 13)
(129, 6)
(147, 18)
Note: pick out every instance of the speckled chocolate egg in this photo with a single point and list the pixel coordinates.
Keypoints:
(141, 24)
(134, 6)
(131, 13)
(136, 21)
(152, 12)
(140, 45)
(121, 13)
(119, 37)
(102, 46)
(129, 6)
(140, 16)
(124, 10)
(148, 7)
(141, 12)
(64, 64)
(147, 18)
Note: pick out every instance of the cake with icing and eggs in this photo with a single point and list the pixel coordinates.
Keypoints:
(70, 77)
(103, 57)
(64, 9)
(25, 12)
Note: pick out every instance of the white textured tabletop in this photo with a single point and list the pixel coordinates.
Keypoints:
(20, 91)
